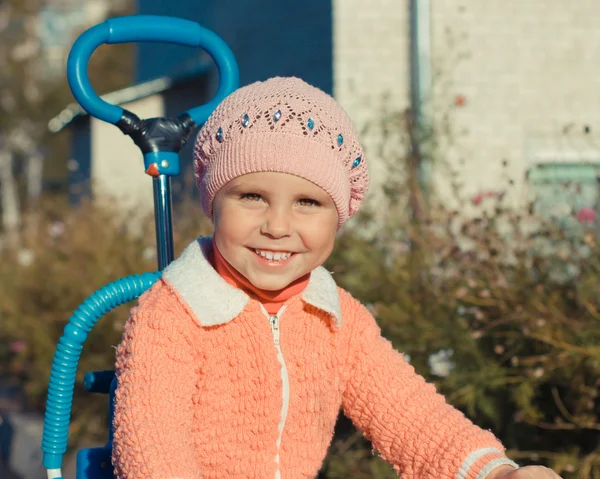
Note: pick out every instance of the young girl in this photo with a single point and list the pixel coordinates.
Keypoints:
(236, 363)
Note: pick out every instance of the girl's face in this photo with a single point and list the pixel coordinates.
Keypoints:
(273, 227)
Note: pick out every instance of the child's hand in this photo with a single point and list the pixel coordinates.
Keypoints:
(528, 472)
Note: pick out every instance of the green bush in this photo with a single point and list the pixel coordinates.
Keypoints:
(506, 326)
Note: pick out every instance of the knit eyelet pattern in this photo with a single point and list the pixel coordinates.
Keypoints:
(282, 125)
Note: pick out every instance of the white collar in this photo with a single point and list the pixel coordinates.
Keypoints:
(214, 301)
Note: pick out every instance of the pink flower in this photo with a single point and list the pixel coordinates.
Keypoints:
(477, 199)
(586, 215)
(17, 346)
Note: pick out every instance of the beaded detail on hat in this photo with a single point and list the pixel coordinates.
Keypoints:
(291, 127)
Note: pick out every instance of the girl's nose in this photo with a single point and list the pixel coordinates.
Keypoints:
(277, 223)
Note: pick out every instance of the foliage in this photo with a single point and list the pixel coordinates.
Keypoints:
(508, 341)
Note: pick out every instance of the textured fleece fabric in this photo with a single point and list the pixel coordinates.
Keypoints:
(201, 386)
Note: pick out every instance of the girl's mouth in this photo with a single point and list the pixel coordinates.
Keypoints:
(274, 257)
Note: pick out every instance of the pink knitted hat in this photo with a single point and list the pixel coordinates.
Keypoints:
(282, 125)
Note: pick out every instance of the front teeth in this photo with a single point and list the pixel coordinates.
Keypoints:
(275, 256)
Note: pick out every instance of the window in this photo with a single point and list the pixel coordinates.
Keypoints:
(568, 192)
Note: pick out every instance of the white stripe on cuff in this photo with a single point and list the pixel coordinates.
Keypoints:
(494, 464)
(472, 458)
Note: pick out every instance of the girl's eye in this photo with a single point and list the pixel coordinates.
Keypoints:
(308, 202)
(250, 197)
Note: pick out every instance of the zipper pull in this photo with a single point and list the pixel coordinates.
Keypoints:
(274, 320)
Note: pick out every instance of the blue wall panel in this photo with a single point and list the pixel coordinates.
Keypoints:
(268, 37)
(81, 152)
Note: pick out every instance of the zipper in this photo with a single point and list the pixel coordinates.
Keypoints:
(274, 322)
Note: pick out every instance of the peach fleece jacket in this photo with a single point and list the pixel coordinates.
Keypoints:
(211, 387)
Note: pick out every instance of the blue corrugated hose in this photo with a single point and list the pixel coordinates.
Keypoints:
(66, 358)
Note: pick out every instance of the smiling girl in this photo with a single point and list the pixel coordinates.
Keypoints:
(238, 360)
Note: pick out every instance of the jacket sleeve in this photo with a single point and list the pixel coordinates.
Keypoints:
(156, 380)
(407, 421)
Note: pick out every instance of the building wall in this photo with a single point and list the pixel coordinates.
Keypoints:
(517, 82)
(371, 70)
(268, 38)
(154, 60)
(58, 24)
(80, 161)
(529, 83)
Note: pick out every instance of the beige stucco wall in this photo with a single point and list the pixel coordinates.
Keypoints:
(530, 83)
(528, 73)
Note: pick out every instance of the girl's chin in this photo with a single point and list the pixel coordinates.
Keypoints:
(271, 285)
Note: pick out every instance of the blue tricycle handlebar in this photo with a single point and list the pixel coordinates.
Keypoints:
(147, 28)
(159, 139)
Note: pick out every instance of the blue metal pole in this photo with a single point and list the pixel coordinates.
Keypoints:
(163, 220)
